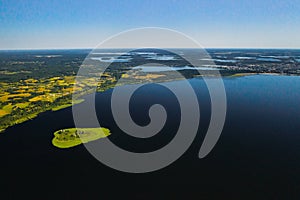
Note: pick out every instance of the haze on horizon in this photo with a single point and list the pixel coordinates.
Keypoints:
(214, 24)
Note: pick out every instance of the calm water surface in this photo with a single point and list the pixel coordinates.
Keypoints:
(257, 156)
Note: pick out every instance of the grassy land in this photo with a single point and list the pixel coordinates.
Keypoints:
(21, 112)
(25, 99)
(242, 74)
(28, 117)
(71, 137)
(67, 105)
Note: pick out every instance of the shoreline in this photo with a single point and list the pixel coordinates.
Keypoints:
(78, 101)
(34, 115)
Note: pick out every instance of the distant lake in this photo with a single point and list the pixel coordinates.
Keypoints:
(258, 154)
(112, 59)
(165, 68)
(268, 59)
(219, 60)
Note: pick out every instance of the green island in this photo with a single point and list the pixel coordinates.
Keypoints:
(70, 137)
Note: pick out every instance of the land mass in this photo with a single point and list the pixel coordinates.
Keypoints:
(70, 137)
(32, 82)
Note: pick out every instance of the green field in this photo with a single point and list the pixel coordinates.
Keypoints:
(67, 105)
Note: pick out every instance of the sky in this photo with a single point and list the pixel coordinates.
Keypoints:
(41, 24)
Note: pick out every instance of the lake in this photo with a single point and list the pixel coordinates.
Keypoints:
(257, 156)
(166, 68)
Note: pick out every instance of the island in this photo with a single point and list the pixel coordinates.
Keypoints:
(70, 137)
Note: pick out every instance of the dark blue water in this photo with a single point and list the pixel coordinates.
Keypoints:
(257, 156)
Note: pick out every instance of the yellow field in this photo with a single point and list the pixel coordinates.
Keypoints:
(16, 99)
(23, 87)
(77, 88)
(21, 91)
(55, 78)
(69, 79)
(8, 107)
(30, 80)
(6, 97)
(150, 76)
(20, 94)
(22, 105)
(68, 90)
(6, 110)
(42, 90)
(47, 97)
(3, 112)
(125, 76)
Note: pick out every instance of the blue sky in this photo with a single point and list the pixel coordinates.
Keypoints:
(213, 23)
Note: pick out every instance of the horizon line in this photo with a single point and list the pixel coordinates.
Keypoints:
(90, 48)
